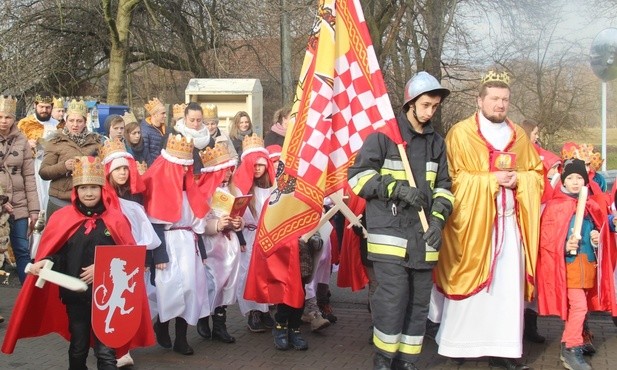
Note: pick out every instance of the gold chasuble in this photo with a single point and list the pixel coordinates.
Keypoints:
(466, 256)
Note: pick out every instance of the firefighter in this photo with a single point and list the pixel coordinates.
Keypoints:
(403, 253)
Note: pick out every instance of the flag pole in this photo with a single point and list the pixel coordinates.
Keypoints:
(412, 182)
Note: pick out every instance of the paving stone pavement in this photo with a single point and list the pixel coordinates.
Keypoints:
(343, 345)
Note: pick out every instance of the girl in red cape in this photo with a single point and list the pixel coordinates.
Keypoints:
(570, 283)
(93, 218)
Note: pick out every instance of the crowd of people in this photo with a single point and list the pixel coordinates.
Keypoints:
(479, 235)
(142, 184)
(467, 240)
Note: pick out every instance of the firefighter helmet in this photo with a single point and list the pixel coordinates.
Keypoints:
(421, 83)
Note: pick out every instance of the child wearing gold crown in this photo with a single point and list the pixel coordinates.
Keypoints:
(222, 246)
(255, 175)
(191, 126)
(177, 209)
(93, 218)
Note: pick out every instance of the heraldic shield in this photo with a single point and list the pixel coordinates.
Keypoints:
(117, 292)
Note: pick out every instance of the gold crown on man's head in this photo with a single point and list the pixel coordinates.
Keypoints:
(8, 105)
(78, 107)
(111, 147)
(88, 171)
(493, 76)
(43, 99)
(211, 157)
(154, 106)
(178, 110)
(210, 111)
(129, 117)
(180, 147)
(58, 102)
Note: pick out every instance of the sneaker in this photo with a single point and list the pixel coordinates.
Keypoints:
(588, 348)
(281, 337)
(254, 322)
(267, 320)
(307, 318)
(327, 312)
(317, 321)
(296, 340)
(125, 360)
(572, 358)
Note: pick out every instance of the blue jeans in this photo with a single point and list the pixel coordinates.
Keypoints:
(20, 245)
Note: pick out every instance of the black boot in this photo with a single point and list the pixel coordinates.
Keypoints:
(219, 329)
(506, 363)
(398, 364)
(203, 327)
(531, 327)
(161, 330)
(181, 345)
(381, 362)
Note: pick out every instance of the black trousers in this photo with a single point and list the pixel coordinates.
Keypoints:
(287, 315)
(80, 328)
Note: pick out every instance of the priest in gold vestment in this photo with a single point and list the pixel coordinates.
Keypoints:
(487, 261)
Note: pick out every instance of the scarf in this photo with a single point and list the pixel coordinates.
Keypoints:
(79, 139)
(243, 134)
(200, 137)
(278, 128)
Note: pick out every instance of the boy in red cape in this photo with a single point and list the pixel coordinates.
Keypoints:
(570, 285)
(73, 232)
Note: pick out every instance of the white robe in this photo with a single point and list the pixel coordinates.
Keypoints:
(181, 289)
(490, 323)
(323, 263)
(223, 266)
(261, 196)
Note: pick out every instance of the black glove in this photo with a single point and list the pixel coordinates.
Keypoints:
(412, 196)
(432, 236)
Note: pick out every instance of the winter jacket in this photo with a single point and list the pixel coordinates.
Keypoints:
(58, 150)
(272, 138)
(394, 228)
(17, 173)
(153, 141)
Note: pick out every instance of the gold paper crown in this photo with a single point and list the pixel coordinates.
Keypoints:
(212, 157)
(110, 147)
(142, 167)
(583, 152)
(252, 142)
(58, 103)
(43, 99)
(493, 76)
(154, 106)
(78, 107)
(8, 105)
(178, 111)
(210, 111)
(129, 117)
(88, 171)
(180, 147)
(596, 161)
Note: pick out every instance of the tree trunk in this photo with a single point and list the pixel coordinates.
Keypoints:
(118, 57)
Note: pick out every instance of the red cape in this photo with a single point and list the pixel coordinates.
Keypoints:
(351, 271)
(164, 186)
(551, 266)
(275, 278)
(548, 161)
(38, 312)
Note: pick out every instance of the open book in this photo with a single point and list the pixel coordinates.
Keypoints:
(224, 203)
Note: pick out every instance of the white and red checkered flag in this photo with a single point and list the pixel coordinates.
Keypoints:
(341, 98)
